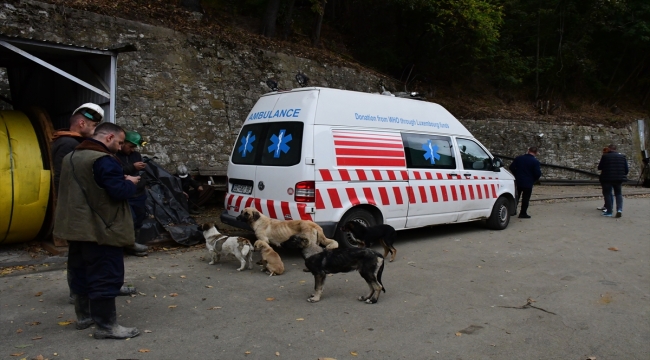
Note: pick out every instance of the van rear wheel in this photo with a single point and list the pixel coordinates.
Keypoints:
(500, 216)
(358, 215)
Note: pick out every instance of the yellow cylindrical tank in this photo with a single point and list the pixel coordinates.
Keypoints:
(24, 183)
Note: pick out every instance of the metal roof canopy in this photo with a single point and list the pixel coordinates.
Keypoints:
(59, 77)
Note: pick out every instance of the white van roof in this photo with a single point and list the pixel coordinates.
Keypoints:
(359, 109)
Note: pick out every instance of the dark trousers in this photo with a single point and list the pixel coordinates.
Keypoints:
(97, 271)
(523, 194)
(138, 210)
(609, 199)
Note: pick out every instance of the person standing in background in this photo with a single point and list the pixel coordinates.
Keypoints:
(614, 170)
(527, 171)
(133, 165)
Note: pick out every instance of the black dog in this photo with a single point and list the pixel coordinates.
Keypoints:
(385, 234)
(321, 262)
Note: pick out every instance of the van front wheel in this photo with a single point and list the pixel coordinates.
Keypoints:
(500, 216)
(359, 215)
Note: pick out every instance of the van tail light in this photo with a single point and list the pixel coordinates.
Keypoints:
(305, 191)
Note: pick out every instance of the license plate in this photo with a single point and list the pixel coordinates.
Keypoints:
(242, 189)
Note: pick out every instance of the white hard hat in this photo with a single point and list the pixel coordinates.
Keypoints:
(95, 113)
(182, 172)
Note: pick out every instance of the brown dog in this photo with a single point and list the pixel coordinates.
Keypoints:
(277, 231)
(271, 261)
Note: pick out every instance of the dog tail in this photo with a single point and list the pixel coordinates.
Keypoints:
(324, 241)
(381, 270)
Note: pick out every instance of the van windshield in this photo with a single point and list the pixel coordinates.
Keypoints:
(269, 144)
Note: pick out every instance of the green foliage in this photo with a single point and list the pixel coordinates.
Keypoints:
(549, 47)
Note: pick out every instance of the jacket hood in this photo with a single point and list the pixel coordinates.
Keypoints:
(61, 133)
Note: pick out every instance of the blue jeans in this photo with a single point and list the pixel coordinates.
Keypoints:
(609, 199)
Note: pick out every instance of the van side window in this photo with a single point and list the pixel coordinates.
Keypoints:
(428, 151)
(473, 155)
(270, 144)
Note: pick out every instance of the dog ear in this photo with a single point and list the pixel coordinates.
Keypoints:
(256, 216)
(304, 242)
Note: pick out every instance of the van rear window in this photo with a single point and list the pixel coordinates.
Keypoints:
(428, 151)
(269, 144)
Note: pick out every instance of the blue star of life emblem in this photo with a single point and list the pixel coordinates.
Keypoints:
(246, 144)
(431, 152)
(279, 143)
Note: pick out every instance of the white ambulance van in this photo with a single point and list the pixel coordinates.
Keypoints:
(331, 156)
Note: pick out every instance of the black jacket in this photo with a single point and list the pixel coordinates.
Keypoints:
(526, 170)
(62, 146)
(613, 166)
(127, 165)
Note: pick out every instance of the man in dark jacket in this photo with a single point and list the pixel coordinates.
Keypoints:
(614, 169)
(93, 215)
(132, 164)
(527, 171)
(83, 122)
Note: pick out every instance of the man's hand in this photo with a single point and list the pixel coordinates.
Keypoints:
(134, 179)
(139, 165)
(187, 196)
(200, 188)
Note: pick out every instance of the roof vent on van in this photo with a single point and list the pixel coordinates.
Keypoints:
(302, 79)
(272, 84)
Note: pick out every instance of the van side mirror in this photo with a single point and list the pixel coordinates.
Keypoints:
(497, 163)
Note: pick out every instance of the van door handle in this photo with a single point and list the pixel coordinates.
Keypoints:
(452, 175)
(467, 175)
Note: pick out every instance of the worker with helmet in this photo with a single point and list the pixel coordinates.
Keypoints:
(83, 122)
(133, 165)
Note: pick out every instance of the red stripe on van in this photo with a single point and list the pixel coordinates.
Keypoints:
(352, 196)
(444, 193)
(405, 175)
(345, 176)
(494, 191)
(319, 201)
(462, 192)
(487, 192)
(362, 175)
(285, 210)
(478, 189)
(471, 192)
(325, 174)
(344, 161)
(238, 202)
(272, 214)
(434, 194)
(368, 194)
(398, 195)
(369, 152)
(376, 174)
(439, 175)
(360, 136)
(378, 144)
(429, 176)
(417, 175)
(423, 194)
(409, 191)
(249, 201)
(258, 204)
(229, 202)
(453, 192)
(384, 196)
(302, 211)
(334, 198)
(391, 175)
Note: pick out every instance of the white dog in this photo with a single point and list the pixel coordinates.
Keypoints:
(219, 244)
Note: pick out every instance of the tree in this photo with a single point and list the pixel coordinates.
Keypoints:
(270, 18)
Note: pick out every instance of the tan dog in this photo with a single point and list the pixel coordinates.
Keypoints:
(271, 261)
(277, 231)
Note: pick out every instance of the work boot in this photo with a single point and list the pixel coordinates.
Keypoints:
(105, 316)
(82, 309)
(137, 249)
(127, 290)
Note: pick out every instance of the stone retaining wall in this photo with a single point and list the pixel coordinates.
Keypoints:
(188, 95)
